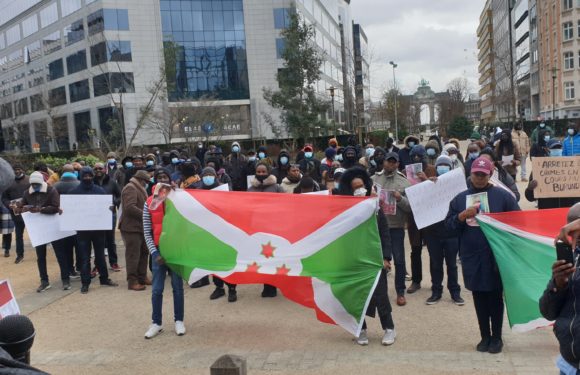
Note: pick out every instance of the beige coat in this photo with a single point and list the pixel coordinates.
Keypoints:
(520, 138)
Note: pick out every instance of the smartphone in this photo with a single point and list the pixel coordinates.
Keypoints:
(564, 252)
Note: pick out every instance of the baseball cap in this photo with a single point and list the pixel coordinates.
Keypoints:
(392, 155)
(482, 165)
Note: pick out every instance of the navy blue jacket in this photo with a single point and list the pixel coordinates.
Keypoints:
(91, 189)
(480, 271)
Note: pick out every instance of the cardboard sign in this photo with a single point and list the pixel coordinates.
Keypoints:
(558, 177)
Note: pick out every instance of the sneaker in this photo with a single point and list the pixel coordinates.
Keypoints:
(200, 283)
(458, 300)
(179, 328)
(115, 268)
(66, 285)
(84, 289)
(74, 275)
(6, 253)
(408, 277)
(495, 346)
(389, 337)
(433, 299)
(413, 288)
(44, 285)
(19, 259)
(217, 293)
(232, 295)
(153, 331)
(109, 282)
(483, 345)
(362, 339)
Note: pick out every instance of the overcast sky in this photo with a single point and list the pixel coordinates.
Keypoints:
(431, 39)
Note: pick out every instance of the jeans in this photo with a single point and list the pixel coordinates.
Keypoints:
(19, 232)
(85, 239)
(159, 273)
(60, 257)
(443, 249)
(398, 246)
(110, 243)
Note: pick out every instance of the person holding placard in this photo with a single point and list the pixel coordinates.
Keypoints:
(500, 173)
(508, 151)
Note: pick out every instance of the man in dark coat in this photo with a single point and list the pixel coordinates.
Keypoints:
(234, 165)
(404, 153)
(112, 188)
(281, 171)
(14, 192)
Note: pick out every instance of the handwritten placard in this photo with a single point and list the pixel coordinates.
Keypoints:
(558, 177)
(86, 212)
(430, 200)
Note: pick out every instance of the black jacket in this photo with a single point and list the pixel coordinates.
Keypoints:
(15, 191)
(563, 306)
(111, 187)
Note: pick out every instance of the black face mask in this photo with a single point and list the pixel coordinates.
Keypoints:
(261, 178)
(87, 183)
(380, 160)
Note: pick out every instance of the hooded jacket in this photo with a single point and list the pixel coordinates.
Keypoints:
(67, 184)
(394, 181)
(349, 163)
(268, 186)
(281, 171)
(540, 148)
(87, 188)
(110, 187)
(404, 158)
(434, 145)
(234, 166)
(535, 134)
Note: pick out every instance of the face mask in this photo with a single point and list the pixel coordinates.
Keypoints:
(308, 155)
(339, 157)
(235, 149)
(36, 188)
(77, 172)
(174, 160)
(370, 152)
(571, 131)
(261, 178)
(411, 144)
(150, 163)
(542, 126)
(546, 138)
(152, 180)
(208, 180)
(431, 152)
(252, 158)
(473, 155)
(112, 161)
(453, 157)
(87, 182)
(337, 185)
(442, 169)
(284, 160)
(360, 192)
(556, 152)
(200, 145)
(373, 163)
(19, 176)
(129, 165)
(261, 155)
(379, 161)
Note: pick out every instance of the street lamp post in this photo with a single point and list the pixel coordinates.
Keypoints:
(331, 89)
(554, 76)
(396, 93)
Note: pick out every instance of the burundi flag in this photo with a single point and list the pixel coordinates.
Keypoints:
(523, 246)
(8, 304)
(321, 252)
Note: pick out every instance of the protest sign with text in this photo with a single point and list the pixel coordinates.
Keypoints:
(430, 200)
(558, 177)
(86, 212)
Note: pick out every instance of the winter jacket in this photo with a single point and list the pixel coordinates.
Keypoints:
(311, 167)
(289, 186)
(111, 187)
(480, 271)
(281, 171)
(563, 306)
(234, 166)
(404, 157)
(268, 186)
(536, 133)
(395, 181)
(380, 298)
(520, 138)
(133, 198)
(546, 203)
(47, 199)
(511, 168)
(434, 145)
(15, 191)
(571, 146)
(66, 184)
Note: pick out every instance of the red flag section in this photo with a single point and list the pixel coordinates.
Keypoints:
(297, 222)
(5, 295)
(545, 223)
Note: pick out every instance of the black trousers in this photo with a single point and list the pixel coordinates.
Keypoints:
(19, 233)
(220, 283)
(110, 243)
(416, 264)
(60, 257)
(489, 309)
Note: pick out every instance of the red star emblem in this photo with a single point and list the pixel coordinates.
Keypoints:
(268, 250)
(282, 270)
(253, 268)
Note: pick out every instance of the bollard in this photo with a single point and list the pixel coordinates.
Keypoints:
(229, 365)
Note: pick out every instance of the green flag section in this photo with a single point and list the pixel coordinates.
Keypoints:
(322, 252)
(523, 246)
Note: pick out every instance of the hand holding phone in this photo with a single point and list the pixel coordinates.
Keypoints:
(564, 252)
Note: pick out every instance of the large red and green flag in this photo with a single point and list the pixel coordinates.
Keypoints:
(523, 245)
(321, 252)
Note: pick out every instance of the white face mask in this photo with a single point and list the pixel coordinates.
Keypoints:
(360, 192)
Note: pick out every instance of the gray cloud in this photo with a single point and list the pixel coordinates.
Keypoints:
(435, 40)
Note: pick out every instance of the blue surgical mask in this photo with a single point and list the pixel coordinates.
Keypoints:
(339, 157)
(112, 161)
(208, 180)
(547, 138)
(150, 163)
(542, 125)
(251, 158)
(284, 160)
(235, 149)
(431, 152)
(152, 180)
(129, 165)
(308, 155)
(261, 155)
(373, 163)
(442, 169)
(174, 160)
(571, 131)
(411, 144)
(36, 187)
(370, 152)
(473, 155)
(336, 185)
(556, 152)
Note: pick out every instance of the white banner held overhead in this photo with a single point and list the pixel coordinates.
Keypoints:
(430, 200)
(43, 229)
(86, 212)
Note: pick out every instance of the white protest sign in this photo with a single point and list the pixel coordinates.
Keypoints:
(249, 180)
(223, 187)
(86, 212)
(321, 192)
(43, 229)
(430, 200)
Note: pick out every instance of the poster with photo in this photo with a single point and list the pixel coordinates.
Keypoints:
(412, 171)
(480, 201)
(388, 202)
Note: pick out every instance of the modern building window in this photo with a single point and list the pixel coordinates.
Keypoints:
(568, 28)
(55, 70)
(282, 18)
(108, 119)
(5, 111)
(69, 6)
(108, 19)
(109, 83)
(280, 46)
(568, 60)
(21, 107)
(51, 43)
(76, 62)
(60, 131)
(567, 4)
(32, 51)
(210, 60)
(110, 51)
(30, 25)
(48, 15)
(79, 91)
(36, 103)
(74, 33)
(57, 97)
(12, 35)
(569, 93)
(83, 128)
